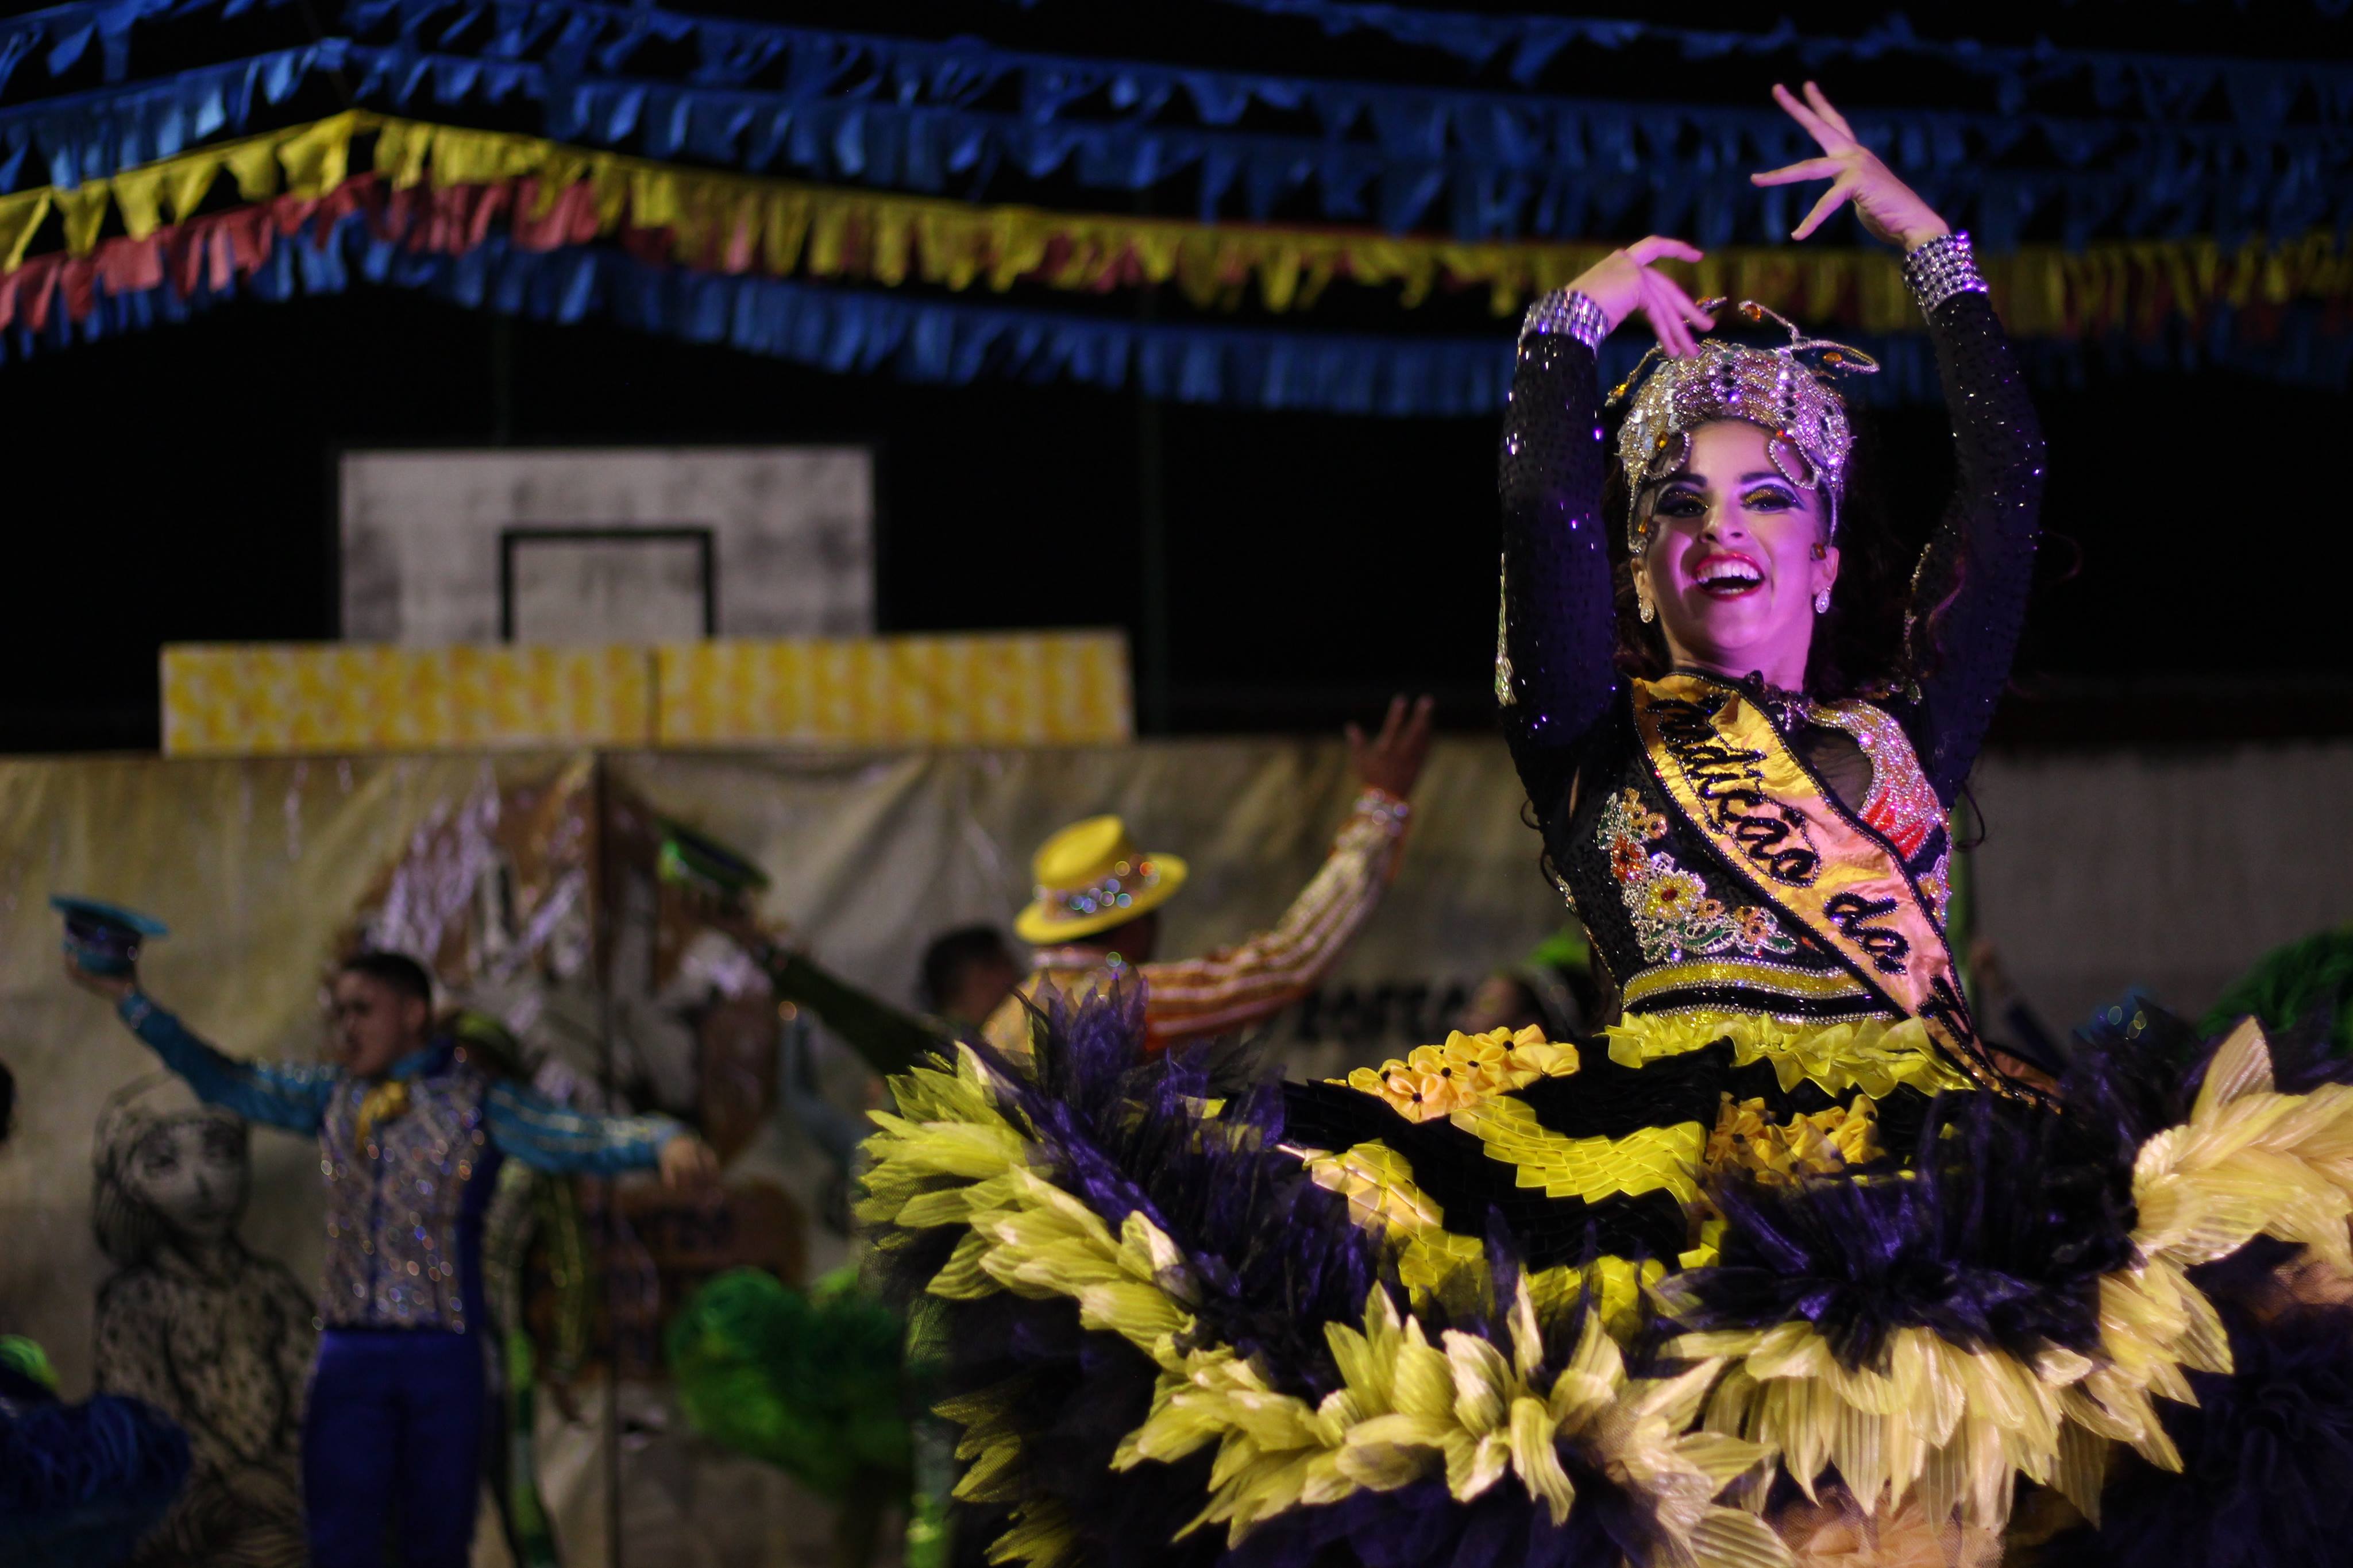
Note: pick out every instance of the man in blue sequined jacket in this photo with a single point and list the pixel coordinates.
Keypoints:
(410, 1134)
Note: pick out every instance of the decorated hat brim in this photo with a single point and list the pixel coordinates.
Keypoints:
(1042, 924)
(97, 912)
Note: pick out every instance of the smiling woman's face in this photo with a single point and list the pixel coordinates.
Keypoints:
(1736, 554)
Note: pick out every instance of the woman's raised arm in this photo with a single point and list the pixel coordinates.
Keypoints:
(1968, 596)
(1554, 670)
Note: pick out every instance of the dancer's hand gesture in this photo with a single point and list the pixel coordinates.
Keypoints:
(1392, 759)
(1888, 207)
(1628, 280)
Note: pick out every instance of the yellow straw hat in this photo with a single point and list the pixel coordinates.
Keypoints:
(1091, 877)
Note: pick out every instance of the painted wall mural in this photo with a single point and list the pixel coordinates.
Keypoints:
(194, 1321)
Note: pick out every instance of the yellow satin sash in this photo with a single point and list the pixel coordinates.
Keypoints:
(1731, 775)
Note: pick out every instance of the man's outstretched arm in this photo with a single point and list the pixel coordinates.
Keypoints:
(292, 1095)
(546, 1136)
(1237, 985)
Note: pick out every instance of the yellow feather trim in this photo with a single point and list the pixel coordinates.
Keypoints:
(1406, 1408)
(1956, 1426)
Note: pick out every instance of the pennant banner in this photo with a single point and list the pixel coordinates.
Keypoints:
(62, 299)
(924, 116)
(444, 190)
(60, 37)
(87, 136)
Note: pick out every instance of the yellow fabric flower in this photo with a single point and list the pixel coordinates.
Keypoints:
(1419, 1087)
(1439, 1081)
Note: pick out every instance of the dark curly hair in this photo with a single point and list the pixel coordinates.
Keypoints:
(1859, 643)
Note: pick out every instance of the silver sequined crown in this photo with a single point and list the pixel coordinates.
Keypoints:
(1783, 391)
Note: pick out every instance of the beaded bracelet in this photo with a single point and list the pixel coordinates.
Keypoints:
(1565, 312)
(1941, 269)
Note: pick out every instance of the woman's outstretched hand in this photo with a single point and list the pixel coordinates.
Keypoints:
(1887, 206)
(1628, 280)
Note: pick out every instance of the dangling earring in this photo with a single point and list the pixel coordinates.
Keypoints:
(1822, 602)
(1642, 605)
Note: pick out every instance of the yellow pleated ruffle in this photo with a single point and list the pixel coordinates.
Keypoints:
(1384, 1198)
(1877, 1056)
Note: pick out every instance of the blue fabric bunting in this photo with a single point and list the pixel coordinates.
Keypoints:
(67, 32)
(90, 135)
(918, 115)
(2167, 88)
(915, 115)
(951, 341)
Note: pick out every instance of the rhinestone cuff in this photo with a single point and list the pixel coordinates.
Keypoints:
(1941, 269)
(1566, 313)
(1390, 811)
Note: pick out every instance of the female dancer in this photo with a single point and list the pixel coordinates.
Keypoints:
(1785, 1266)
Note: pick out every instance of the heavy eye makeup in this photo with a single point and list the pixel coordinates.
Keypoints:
(1680, 498)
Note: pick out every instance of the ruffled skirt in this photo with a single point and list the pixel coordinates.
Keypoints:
(1705, 1290)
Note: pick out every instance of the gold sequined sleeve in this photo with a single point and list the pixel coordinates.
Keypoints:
(1240, 985)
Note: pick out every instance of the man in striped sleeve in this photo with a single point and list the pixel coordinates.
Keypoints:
(1094, 921)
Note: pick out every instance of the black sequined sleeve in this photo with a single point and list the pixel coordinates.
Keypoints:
(1554, 675)
(1968, 596)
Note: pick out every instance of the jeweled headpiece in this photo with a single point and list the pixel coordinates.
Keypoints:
(1784, 391)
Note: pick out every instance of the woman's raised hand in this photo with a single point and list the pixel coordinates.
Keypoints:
(1887, 206)
(1628, 280)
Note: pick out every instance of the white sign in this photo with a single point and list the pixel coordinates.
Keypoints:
(606, 544)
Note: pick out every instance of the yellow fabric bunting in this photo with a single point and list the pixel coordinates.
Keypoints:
(738, 223)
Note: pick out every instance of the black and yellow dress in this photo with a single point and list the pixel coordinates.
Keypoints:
(1763, 873)
(1785, 1266)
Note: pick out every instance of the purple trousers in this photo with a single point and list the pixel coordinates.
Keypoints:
(392, 1448)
